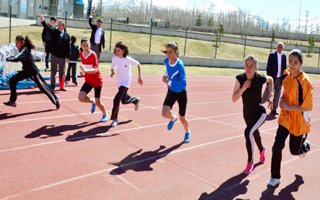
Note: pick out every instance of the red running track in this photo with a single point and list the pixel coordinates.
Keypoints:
(67, 154)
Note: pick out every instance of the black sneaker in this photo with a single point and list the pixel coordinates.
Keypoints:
(304, 149)
(10, 103)
(63, 89)
(57, 104)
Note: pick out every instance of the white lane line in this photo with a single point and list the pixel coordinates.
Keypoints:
(83, 114)
(108, 170)
(110, 98)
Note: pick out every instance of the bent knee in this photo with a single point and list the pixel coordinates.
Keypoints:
(182, 119)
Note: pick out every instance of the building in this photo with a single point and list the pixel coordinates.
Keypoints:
(29, 9)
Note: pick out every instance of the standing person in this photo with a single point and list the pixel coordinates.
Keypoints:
(176, 81)
(60, 52)
(47, 40)
(93, 79)
(294, 120)
(123, 63)
(97, 36)
(277, 63)
(249, 85)
(74, 56)
(29, 70)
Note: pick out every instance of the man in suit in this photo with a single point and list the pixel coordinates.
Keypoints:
(97, 36)
(60, 51)
(277, 63)
(47, 40)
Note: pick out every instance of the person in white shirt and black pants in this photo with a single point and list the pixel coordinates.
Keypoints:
(97, 36)
(277, 63)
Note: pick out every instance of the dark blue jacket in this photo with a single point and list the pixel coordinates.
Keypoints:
(94, 29)
(272, 66)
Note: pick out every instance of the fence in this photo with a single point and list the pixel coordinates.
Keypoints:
(149, 39)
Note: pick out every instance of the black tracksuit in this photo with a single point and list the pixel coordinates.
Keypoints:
(29, 70)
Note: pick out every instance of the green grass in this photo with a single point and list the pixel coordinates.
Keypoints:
(139, 43)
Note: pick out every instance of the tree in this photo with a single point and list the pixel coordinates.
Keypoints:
(221, 30)
(273, 37)
(210, 21)
(311, 46)
(199, 21)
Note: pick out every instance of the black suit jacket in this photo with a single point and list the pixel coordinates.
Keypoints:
(94, 29)
(60, 46)
(272, 66)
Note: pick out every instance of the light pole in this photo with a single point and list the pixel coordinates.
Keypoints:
(299, 17)
(11, 2)
(150, 18)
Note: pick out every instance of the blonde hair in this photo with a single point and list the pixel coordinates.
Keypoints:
(252, 59)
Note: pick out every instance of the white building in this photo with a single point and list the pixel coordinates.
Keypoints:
(29, 9)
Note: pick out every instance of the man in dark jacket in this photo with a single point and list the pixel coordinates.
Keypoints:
(97, 36)
(277, 63)
(60, 51)
(47, 39)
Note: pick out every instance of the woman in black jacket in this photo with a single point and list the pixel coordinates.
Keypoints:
(29, 70)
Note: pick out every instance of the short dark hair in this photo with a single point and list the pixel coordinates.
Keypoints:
(53, 19)
(61, 22)
(99, 20)
(121, 45)
(84, 40)
(298, 53)
(73, 39)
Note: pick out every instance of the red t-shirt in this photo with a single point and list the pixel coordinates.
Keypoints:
(90, 62)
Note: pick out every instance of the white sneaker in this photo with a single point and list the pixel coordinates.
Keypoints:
(114, 123)
(274, 182)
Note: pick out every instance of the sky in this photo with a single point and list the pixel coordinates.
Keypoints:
(275, 9)
(270, 10)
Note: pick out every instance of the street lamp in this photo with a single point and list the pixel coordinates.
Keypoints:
(11, 2)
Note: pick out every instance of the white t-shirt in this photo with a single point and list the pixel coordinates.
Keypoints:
(279, 64)
(123, 71)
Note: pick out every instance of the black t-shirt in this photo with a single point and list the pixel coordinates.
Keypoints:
(251, 98)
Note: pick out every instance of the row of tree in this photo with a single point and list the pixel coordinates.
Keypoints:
(238, 22)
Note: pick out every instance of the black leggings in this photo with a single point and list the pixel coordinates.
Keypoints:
(124, 98)
(295, 144)
(252, 134)
(37, 78)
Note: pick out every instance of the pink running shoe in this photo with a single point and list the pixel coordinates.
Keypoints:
(249, 168)
(262, 157)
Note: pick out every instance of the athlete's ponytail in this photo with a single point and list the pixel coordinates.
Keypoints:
(26, 41)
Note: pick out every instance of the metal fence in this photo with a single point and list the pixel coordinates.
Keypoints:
(212, 45)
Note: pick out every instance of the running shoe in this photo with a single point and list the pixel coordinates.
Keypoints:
(249, 168)
(171, 123)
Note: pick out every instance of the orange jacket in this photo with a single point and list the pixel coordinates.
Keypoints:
(297, 123)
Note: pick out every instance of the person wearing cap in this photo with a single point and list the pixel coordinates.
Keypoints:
(294, 120)
(47, 40)
(97, 36)
(276, 65)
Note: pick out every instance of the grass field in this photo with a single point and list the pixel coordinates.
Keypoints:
(140, 43)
